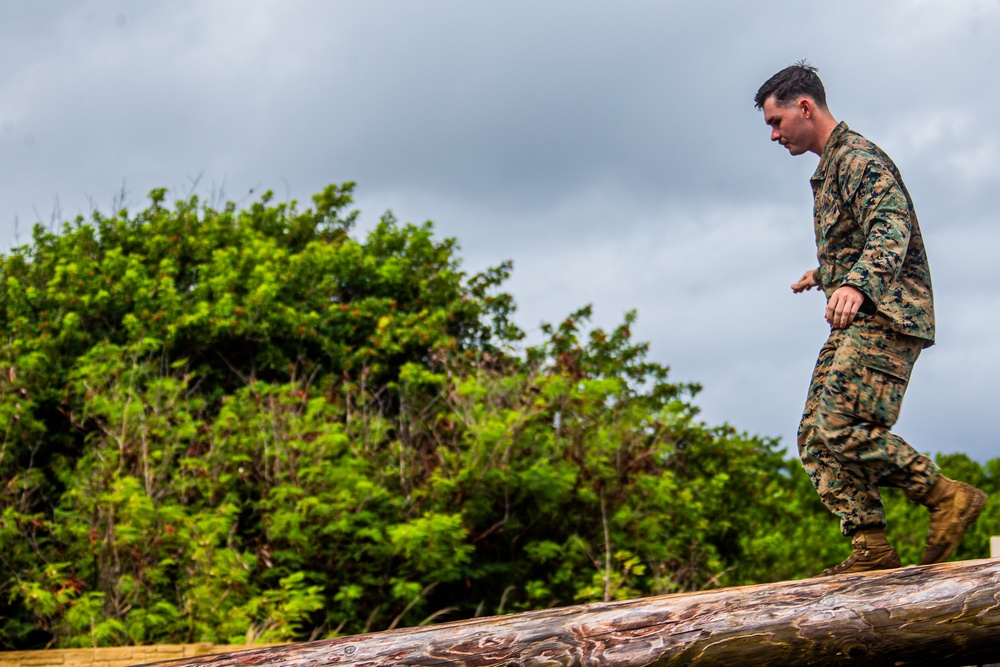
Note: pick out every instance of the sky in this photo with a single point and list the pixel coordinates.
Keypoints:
(612, 151)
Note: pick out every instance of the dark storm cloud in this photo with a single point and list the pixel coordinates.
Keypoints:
(508, 105)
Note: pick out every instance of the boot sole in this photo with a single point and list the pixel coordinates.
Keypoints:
(887, 562)
(968, 518)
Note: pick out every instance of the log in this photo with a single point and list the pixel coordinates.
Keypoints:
(934, 615)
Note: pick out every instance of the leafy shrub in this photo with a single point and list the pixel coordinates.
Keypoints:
(239, 425)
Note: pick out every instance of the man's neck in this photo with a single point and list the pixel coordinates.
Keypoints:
(825, 125)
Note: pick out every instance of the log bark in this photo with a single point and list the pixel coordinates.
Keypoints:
(935, 615)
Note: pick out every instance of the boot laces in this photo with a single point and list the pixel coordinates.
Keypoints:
(858, 554)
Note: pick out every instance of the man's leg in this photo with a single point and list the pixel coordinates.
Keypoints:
(859, 404)
(844, 440)
(845, 487)
(847, 447)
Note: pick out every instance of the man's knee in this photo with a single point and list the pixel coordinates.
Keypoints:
(833, 431)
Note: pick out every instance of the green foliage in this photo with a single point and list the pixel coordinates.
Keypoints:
(248, 425)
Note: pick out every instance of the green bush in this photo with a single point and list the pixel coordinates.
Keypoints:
(240, 425)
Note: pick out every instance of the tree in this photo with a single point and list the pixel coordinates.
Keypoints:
(132, 340)
(242, 424)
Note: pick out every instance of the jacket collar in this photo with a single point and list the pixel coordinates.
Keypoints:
(834, 142)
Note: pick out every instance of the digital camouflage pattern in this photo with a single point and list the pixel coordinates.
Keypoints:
(844, 440)
(867, 234)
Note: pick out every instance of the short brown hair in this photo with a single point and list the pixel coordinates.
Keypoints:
(791, 82)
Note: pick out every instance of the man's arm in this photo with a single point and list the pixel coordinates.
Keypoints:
(880, 206)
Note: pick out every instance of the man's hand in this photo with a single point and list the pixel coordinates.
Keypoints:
(843, 306)
(808, 280)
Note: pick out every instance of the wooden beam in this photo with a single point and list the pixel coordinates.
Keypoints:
(935, 615)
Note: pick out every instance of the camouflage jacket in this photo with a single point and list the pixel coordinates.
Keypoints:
(867, 234)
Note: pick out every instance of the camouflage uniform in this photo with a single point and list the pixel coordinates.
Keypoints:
(867, 237)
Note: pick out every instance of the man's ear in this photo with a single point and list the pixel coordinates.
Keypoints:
(806, 107)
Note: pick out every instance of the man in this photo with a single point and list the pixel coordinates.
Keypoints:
(873, 269)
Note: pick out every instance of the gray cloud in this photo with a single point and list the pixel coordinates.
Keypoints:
(611, 150)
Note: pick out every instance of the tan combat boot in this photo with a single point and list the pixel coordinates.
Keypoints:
(871, 552)
(954, 507)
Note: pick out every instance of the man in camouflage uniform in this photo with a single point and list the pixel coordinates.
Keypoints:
(873, 269)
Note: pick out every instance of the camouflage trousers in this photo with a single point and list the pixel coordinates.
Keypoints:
(844, 440)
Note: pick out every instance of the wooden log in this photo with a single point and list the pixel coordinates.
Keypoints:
(935, 615)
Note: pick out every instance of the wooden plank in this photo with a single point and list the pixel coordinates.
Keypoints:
(935, 615)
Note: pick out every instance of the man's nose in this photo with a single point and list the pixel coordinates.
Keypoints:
(775, 135)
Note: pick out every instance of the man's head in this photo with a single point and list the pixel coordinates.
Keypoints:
(794, 106)
(791, 83)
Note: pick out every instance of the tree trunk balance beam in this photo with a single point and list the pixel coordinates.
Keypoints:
(935, 615)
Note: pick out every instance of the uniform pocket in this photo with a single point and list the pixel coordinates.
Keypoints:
(886, 362)
(826, 219)
(884, 377)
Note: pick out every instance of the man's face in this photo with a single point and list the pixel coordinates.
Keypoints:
(790, 125)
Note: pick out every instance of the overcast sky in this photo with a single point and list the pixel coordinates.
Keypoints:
(610, 149)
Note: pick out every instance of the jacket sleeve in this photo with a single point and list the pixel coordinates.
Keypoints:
(878, 202)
